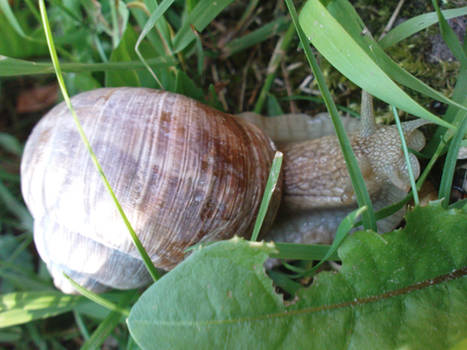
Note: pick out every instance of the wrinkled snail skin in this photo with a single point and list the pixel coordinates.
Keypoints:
(185, 173)
(317, 191)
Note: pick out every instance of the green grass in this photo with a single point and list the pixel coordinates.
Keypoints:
(180, 46)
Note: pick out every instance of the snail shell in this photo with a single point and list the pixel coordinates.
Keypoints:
(183, 173)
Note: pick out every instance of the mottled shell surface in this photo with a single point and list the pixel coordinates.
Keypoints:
(183, 173)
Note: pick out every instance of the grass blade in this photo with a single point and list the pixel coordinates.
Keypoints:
(15, 67)
(450, 164)
(268, 192)
(363, 198)
(201, 15)
(342, 231)
(147, 260)
(16, 207)
(294, 251)
(153, 19)
(416, 24)
(98, 299)
(22, 307)
(449, 36)
(349, 47)
(261, 34)
(276, 58)
(406, 155)
(107, 325)
(6, 9)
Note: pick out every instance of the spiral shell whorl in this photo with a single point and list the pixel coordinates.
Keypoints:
(182, 171)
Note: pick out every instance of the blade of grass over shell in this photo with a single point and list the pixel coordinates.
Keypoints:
(450, 164)
(153, 19)
(201, 15)
(361, 193)
(406, 155)
(340, 36)
(12, 66)
(416, 24)
(147, 260)
(449, 37)
(268, 192)
(97, 298)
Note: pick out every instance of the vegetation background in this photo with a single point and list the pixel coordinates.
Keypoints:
(247, 57)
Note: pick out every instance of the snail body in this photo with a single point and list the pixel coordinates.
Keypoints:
(183, 172)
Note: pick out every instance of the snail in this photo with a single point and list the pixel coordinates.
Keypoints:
(184, 173)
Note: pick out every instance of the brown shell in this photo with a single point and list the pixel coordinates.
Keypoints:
(183, 173)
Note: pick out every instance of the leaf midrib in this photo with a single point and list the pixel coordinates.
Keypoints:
(453, 275)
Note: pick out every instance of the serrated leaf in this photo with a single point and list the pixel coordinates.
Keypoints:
(405, 289)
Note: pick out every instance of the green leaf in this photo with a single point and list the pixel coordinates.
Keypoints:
(339, 35)
(405, 289)
(23, 307)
